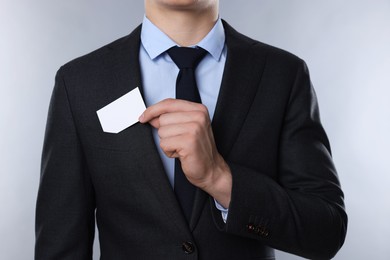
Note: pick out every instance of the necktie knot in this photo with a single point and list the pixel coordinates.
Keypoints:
(185, 57)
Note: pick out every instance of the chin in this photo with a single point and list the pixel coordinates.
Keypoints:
(185, 4)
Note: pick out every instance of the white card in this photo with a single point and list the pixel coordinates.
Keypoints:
(121, 113)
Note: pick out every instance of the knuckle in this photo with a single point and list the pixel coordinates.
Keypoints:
(195, 129)
(202, 118)
(162, 119)
(164, 145)
(203, 108)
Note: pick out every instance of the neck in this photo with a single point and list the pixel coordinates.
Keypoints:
(184, 26)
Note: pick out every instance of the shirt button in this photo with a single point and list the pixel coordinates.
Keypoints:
(188, 247)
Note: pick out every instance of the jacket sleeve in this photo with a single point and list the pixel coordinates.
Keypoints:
(302, 210)
(65, 207)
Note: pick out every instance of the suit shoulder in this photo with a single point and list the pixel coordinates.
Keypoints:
(261, 49)
(277, 56)
(277, 53)
(97, 58)
(90, 59)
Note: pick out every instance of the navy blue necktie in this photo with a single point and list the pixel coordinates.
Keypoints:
(186, 59)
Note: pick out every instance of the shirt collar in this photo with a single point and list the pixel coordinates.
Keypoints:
(157, 42)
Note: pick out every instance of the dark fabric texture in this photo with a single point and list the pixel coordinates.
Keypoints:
(285, 194)
(186, 59)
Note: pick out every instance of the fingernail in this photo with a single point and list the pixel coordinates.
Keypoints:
(141, 118)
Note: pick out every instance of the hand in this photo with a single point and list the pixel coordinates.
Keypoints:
(185, 133)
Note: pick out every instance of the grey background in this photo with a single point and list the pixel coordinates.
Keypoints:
(345, 43)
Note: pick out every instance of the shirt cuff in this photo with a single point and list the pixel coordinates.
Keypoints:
(224, 212)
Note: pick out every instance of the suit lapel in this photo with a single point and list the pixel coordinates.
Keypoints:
(125, 65)
(240, 82)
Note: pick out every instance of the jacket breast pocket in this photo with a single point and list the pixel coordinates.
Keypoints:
(133, 137)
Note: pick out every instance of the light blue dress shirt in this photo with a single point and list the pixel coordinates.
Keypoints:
(159, 75)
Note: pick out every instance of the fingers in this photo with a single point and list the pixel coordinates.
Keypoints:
(184, 117)
(185, 131)
(170, 146)
(170, 106)
(192, 128)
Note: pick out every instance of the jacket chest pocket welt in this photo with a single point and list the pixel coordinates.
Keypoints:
(130, 139)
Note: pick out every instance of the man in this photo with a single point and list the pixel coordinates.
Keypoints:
(254, 152)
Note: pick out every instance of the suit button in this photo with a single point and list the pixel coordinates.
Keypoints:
(188, 247)
(263, 231)
(250, 227)
(257, 230)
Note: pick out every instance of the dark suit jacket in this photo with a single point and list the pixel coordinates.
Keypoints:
(285, 194)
